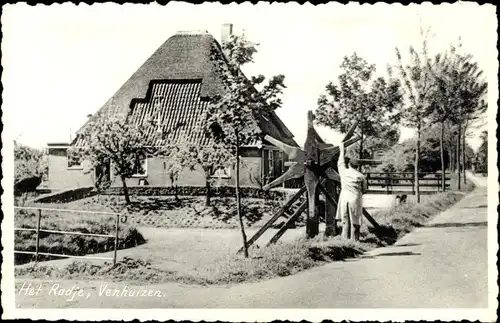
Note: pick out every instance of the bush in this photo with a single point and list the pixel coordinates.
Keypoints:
(76, 245)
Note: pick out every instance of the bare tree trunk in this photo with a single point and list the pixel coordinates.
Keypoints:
(238, 199)
(360, 153)
(451, 160)
(441, 148)
(208, 193)
(417, 158)
(463, 155)
(125, 189)
(458, 157)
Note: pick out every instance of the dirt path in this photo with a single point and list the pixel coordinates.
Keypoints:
(443, 264)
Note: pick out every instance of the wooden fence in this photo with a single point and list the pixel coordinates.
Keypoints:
(38, 229)
(392, 182)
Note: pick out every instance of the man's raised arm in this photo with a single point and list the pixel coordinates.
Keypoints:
(341, 161)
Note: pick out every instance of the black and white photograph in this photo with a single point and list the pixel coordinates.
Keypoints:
(250, 162)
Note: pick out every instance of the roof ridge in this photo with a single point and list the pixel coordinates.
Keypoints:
(192, 32)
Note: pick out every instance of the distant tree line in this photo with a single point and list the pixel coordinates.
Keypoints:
(441, 96)
(29, 162)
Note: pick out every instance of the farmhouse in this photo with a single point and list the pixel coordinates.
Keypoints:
(174, 86)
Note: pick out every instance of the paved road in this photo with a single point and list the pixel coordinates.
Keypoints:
(441, 265)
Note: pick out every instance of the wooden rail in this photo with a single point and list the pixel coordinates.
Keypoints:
(404, 179)
(38, 230)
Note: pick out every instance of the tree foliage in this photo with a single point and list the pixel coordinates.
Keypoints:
(482, 153)
(209, 158)
(401, 156)
(118, 141)
(29, 162)
(358, 96)
(232, 118)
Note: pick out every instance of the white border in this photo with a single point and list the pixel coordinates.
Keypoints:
(488, 314)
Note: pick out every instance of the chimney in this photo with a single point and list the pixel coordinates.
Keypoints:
(226, 32)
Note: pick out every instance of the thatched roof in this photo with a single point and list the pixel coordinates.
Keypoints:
(182, 71)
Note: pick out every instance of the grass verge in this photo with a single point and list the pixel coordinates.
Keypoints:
(282, 259)
(68, 244)
(402, 219)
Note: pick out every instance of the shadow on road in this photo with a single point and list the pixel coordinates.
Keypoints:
(403, 253)
(409, 244)
(476, 207)
(457, 225)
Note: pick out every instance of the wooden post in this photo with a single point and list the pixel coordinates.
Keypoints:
(275, 217)
(116, 238)
(310, 177)
(413, 183)
(37, 247)
(330, 210)
(387, 181)
(289, 223)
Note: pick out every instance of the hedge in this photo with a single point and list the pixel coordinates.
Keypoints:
(225, 191)
(67, 196)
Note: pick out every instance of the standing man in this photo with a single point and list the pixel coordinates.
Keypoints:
(350, 206)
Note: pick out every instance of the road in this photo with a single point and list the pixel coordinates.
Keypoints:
(441, 265)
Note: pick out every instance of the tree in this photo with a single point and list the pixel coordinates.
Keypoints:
(372, 103)
(482, 154)
(439, 109)
(383, 142)
(29, 162)
(176, 161)
(417, 79)
(118, 141)
(209, 157)
(401, 156)
(458, 97)
(30, 169)
(232, 117)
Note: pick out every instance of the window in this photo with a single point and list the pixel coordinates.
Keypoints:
(271, 164)
(221, 172)
(282, 163)
(74, 159)
(141, 165)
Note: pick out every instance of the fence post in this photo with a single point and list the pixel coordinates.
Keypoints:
(387, 181)
(116, 238)
(413, 182)
(37, 247)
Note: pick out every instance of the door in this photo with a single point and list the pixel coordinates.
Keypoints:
(103, 174)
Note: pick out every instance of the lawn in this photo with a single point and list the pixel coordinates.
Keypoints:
(206, 256)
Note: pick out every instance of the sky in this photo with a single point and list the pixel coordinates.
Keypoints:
(63, 62)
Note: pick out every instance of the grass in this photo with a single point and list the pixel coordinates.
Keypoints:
(76, 245)
(281, 259)
(186, 212)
